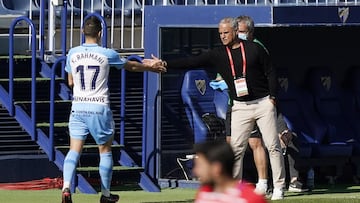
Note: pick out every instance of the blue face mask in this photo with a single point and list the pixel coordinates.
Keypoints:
(242, 36)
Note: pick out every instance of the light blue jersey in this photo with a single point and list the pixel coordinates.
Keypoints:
(89, 66)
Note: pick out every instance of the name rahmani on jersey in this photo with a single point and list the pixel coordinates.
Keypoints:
(93, 56)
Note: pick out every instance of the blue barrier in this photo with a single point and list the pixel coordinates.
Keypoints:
(52, 105)
(33, 70)
(63, 35)
(122, 106)
(42, 29)
(143, 144)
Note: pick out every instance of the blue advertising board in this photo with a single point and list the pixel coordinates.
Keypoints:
(316, 15)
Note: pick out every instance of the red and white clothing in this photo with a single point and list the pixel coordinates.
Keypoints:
(241, 193)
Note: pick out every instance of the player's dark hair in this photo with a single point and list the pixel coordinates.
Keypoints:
(92, 27)
(218, 151)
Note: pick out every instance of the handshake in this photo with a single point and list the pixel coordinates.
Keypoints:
(156, 64)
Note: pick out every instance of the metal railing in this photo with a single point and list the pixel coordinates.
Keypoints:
(57, 63)
(33, 71)
(125, 21)
(125, 18)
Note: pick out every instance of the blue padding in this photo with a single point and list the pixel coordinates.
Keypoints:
(135, 58)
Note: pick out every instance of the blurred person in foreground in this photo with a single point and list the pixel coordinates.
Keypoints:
(213, 165)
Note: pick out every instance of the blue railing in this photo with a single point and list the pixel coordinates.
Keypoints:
(64, 35)
(52, 104)
(122, 106)
(42, 30)
(122, 112)
(33, 71)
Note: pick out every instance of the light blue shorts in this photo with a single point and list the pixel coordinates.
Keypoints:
(93, 119)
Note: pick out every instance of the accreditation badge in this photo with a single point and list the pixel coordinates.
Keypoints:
(241, 87)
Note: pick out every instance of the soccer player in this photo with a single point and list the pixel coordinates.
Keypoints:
(88, 70)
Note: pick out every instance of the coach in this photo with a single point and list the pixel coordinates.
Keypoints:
(251, 79)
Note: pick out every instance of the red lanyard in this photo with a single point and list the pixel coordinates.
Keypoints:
(232, 62)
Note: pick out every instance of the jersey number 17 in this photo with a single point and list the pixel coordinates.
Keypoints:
(81, 69)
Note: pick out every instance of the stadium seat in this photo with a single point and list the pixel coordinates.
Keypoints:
(199, 99)
(294, 103)
(261, 2)
(300, 113)
(4, 9)
(290, 1)
(195, 2)
(128, 6)
(228, 2)
(322, 1)
(352, 87)
(330, 103)
(90, 7)
(37, 4)
(58, 9)
(20, 7)
(161, 2)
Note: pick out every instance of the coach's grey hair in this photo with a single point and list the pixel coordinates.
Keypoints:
(231, 21)
(249, 23)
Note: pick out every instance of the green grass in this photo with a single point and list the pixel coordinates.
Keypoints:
(339, 194)
(53, 196)
(115, 168)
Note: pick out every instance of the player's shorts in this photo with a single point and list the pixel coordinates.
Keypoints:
(93, 119)
(254, 134)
